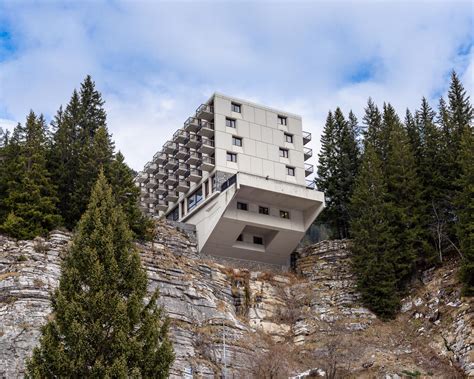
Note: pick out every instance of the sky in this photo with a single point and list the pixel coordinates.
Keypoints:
(154, 62)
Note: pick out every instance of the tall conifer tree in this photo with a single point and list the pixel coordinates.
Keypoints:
(101, 326)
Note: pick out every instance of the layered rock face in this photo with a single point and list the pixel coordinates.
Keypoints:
(241, 323)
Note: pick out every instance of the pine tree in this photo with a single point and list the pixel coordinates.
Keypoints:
(100, 325)
(374, 243)
(30, 201)
(127, 195)
(403, 201)
(373, 126)
(465, 210)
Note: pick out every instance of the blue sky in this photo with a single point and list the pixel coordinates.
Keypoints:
(155, 62)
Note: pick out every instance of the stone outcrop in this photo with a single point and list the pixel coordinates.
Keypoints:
(243, 323)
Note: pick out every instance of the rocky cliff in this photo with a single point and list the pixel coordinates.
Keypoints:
(246, 323)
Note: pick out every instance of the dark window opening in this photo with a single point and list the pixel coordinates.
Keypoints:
(242, 206)
(257, 240)
(263, 210)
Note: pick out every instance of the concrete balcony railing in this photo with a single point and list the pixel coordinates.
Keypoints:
(171, 181)
(170, 147)
(141, 177)
(207, 146)
(171, 164)
(310, 184)
(308, 153)
(205, 112)
(181, 136)
(161, 173)
(192, 124)
(161, 189)
(172, 196)
(183, 169)
(194, 141)
(308, 169)
(194, 158)
(160, 157)
(182, 153)
(152, 183)
(207, 129)
(183, 186)
(162, 204)
(195, 175)
(306, 137)
(207, 163)
(151, 168)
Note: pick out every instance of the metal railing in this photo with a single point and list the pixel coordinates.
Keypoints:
(310, 184)
(306, 137)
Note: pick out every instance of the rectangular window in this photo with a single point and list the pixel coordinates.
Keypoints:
(288, 138)
(285, 214)
(290, 171)
(206, 188)
(194, 199)
(257, 240)
(240, 237)
(231, 157)
(235, 107)
(263, 210)
(282, 120)
(173, 215)
(237, 141)
(230, 122)
(242, 206)
(284, 153)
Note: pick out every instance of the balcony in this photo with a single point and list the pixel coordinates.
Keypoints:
(162, 204)
(308, 153)
(205, 111)
(161, 189)
(192, 124)
(151, 199)
(306, 137)
(171, 164)
(141, 177)
(182, 153)
(161, 173)
(194, 141)
(208, 163)
(183, 169)
(152, 183)
(170, 147)
(308, 169)
(310, 184)
(207, 146)
(195, 175)
(183, 186)
(160, 157)
(207, 129)
(172, 196)
(151, 168)
(171, 181)
(181, 136)
(194, 158)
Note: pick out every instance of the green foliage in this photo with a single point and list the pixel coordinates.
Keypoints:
(101, 326)
(30, 196)
(374, 242)
(465, 210)
(338, 164)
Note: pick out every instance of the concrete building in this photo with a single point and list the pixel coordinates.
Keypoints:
(237, 171)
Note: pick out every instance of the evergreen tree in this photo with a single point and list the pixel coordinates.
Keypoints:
(373, 126)
(374, 243)
(127, 194)
(465, 210)
(101, 326)
(30, 201)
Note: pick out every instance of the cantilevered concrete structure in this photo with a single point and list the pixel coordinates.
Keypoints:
(237, 171)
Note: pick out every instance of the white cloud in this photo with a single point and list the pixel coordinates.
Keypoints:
(156, 62)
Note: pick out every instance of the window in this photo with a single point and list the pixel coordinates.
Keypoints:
(230, 122)
(257, 240)
(288, 138)
(173, 215)
(235, 107)
(263, 210)
(290, 171)
(285, 214)
(283, 153)
(282, 120)
(231, 157)
(194, 199)
(240, 237)
(236, 141)
(242, 206)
